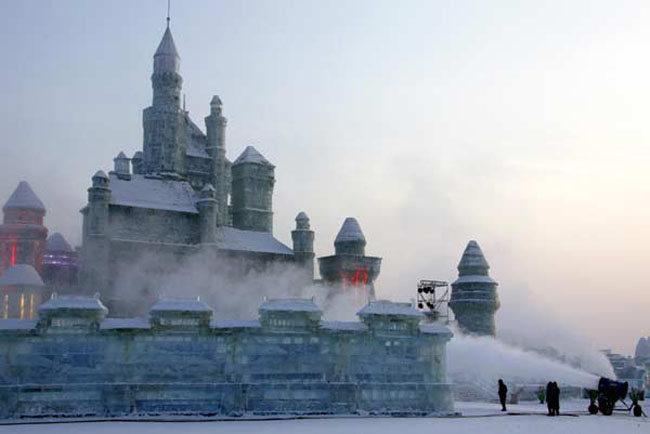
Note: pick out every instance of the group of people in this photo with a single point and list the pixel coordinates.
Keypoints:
(552, 397)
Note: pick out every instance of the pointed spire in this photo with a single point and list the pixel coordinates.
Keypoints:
(24, 197)
(473, 261)
(166, 58)
(350, 231)
(350, 239)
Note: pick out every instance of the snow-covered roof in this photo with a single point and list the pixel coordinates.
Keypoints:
(166, 57)
(121, 156)
(344, 326)
(57, 243)
(235, 323)
(250, 241)
(473, 258)
(124, 324)
(385, 307)
(350, 231)
(153, 193)
(474, 278)
(72, 302)
(24, 197)
(195, 149)
(21, 274)
(290, 305)
(252, 155)
(17, 324)
(435, 328)
(180, 305)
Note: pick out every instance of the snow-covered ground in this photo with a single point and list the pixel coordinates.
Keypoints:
(478, 418)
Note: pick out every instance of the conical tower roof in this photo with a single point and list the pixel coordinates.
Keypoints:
(24, 197)
(166, 58)
(350, 231)
(473, 261)
(57, 243)
(21, 274)
(252, 155)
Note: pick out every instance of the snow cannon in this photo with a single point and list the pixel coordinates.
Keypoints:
(608, 394)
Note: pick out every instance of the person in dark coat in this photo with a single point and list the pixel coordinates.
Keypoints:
(503, 393)
(549, 398)
(556, 399)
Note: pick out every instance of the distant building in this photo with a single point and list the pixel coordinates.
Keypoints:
(21, 292)
(474, 298)
(60, 265)
(181, 196)
(22, 234)
(349, 270)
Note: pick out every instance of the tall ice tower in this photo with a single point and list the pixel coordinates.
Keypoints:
(165, 135)
(474, 298)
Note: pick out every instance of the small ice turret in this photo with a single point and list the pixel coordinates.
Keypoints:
(122, 166)
(253, 178)
(474, 298)
(349, 270)
(303, 243)
(208, 209)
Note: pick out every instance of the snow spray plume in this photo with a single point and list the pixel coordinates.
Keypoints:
(488, 359)
(529, 323)
(228, 285)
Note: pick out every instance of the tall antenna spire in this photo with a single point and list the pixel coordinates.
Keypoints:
(169, 6)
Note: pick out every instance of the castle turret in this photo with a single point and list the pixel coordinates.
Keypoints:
(22, 234)
(208, 210)
(137, 162)
(349, 270)
(215, 126)
(165, 135)
(303, 243)
(94, 276)
(253, 178)
(122, 166)
(474, 298)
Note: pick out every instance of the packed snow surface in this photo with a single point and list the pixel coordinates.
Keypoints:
(484, 418)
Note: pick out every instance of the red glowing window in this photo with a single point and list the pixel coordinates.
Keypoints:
(12, 261)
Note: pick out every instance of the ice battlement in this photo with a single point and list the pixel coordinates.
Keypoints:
(76, 361)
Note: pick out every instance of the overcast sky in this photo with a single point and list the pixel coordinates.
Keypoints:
(523, 125)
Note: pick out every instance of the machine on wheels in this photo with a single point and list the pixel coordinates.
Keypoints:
(608, 394)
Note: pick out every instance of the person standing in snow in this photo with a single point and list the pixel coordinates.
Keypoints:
(503, 393)
(556, 399)
(549, 398)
